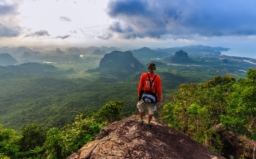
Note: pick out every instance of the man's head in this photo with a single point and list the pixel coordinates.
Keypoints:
(151, 67)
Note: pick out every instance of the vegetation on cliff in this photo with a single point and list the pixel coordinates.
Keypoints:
(35, 141)
(194, 109)
(39, 102)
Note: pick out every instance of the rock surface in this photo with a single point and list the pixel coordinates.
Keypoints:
(128, 139)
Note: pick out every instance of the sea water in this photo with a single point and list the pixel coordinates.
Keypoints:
(248, 54)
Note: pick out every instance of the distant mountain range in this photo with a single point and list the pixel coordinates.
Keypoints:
(196, 50)
(148, 53)
(193, 49)
(73, 54)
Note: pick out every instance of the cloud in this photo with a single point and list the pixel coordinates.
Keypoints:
(6, 9)
(8, 23)
(6, 31)
(65, 19)
(41, 33)
(63, 37)
(187, 18)
(105, 36)
(38, 34)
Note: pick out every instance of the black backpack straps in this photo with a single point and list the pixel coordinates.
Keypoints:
(154, 78)
(151, 82)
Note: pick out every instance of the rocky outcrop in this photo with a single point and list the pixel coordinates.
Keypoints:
(118, 65)
(179, 57)
(120, 60)
(128, 139)
(235, 145)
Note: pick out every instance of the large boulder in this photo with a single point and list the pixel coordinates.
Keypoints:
(128, 139)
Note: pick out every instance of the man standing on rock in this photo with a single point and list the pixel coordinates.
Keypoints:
(150, 92)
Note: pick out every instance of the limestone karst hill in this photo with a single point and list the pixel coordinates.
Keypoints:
(120, 60)
(128, 139)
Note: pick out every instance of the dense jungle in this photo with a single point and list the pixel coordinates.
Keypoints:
(53, 102)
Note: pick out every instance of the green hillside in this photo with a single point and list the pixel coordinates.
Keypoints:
(52, 110)
(194, 109)
(34, 93)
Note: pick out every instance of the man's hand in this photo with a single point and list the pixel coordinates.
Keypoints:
(159, 100)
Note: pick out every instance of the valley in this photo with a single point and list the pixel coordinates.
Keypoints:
(50, 88)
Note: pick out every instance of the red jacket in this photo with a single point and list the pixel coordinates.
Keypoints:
(144, 84)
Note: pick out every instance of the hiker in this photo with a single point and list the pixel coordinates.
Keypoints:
(150, 92)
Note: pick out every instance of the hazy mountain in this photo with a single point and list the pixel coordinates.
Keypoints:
(159, 64)
(196, 50)
(59, 51)
(74, 50)
(91, 48)
(146, 54)
(99, 52)
(4, 49)
(7, 59)
(23, 49)
(109, 49)
(25, 55)
(19, 52)
(33, 68)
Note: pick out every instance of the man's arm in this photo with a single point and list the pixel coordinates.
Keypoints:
(159, 88)
(140, 86)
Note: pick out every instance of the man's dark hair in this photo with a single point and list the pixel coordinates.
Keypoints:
(151, 66)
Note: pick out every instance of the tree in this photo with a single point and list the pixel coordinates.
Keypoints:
(54, 144)
(31, 141)
(8, 143)
(196, 108)
(241, 110)
(110, 112)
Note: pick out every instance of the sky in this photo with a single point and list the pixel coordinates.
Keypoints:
(130, 23)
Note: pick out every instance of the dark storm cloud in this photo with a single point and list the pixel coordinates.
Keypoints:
(63, 37)
(157, 18)
(42, 33)
(6, 31)
(65, 19)
(128, 8)
(38, 34)
(7, 9)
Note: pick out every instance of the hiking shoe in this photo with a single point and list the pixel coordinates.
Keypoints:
(149, 125)
(141, 122)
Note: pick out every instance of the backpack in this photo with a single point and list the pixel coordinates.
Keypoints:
(149, 96)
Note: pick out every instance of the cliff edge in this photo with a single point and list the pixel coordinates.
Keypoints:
(128, 139)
